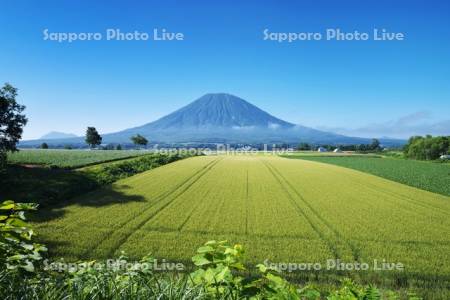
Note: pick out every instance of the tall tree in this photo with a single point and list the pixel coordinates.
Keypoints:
(139, 140)
(12, 121)
(375, 145)
(304, 146)
(93, 138)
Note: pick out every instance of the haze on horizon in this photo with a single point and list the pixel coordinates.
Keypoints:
(365, 89)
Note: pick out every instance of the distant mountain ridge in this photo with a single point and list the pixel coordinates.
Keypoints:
(219, 118)
(57, 135)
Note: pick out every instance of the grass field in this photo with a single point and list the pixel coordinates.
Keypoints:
(284, 210)
(69, 158)
(430, 176)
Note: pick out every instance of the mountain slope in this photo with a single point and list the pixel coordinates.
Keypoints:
(219, 118)
(224, 118)
(216, 110)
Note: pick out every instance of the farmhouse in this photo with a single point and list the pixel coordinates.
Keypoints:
(337, 150)
(322, 149)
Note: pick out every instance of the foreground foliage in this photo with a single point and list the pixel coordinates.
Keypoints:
(17, 250)
(218, 274)
(433, 177)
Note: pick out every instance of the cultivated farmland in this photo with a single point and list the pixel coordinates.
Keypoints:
(430, 176)
(69, 158)
(283, 210)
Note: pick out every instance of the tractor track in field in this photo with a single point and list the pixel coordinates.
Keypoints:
(222, 203)
(157, 198)
(191, 213)
(396, 199)
(180, 190)
(300, 211)
(356, 253)
(403, 197)
(197, 175)
(394, 194)
(189, 216)
(246, 203)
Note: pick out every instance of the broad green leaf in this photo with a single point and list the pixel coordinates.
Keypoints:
(200, 260)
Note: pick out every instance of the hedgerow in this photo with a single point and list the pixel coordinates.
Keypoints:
(108, 173)
(55, 186)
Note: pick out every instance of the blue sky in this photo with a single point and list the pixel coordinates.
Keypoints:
(362, 88)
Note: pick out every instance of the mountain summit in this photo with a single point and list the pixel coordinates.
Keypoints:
(218, 118)
(223, 118)
(218, 110)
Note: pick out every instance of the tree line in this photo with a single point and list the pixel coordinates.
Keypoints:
(427, 147)
(94, 139)
(373, 146)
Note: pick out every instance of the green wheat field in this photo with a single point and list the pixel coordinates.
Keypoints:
(282, 210)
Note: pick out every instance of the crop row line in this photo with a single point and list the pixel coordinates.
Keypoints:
(299, 210)
(158, 199)
(400, 196)
(246, 203)
(355, 251)
(173, 194)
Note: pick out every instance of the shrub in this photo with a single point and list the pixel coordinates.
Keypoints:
(17, 251)
(109, 173)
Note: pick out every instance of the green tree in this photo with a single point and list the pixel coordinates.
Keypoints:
(44, 146)
(109, 147)
(93, 138)
(375, 145)
(139, 140)
(304, 146)
(119, 147)
(427, 148)
(12, 121)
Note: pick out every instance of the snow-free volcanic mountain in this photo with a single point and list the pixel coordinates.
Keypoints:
(217, 110)
(218, 118)
(221, 118)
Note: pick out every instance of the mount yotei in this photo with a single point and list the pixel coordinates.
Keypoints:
(218, 118)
